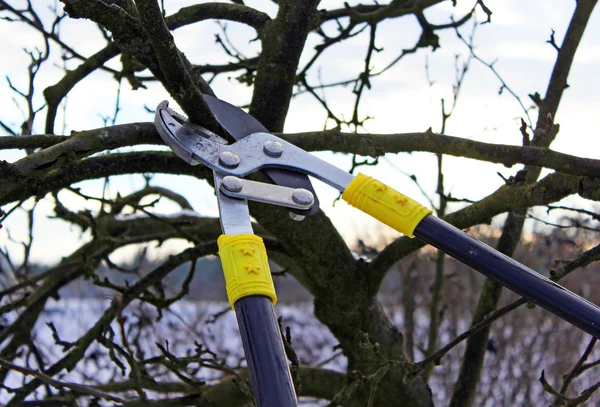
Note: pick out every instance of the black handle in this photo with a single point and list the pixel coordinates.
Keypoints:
(511, 274)
(269, 372)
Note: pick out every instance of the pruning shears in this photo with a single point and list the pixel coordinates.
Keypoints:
(243, 255)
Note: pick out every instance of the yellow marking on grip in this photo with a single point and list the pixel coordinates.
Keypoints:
(245, 266)
(385, 204)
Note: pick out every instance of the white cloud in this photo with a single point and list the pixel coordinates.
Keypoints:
(401, 100)
(587, 54)
(525, 51)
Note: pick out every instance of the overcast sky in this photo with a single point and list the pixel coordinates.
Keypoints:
(401, 100)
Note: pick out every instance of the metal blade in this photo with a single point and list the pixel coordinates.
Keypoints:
(233, 119)
(240, 124)
(180, 134)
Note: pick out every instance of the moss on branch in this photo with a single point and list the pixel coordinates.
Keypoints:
(376, 145)
(81, 144)
(373, 145)
(367, 12)
(30, 142)
(283, 41)
(22, 187)
(218, 11)
(174, 67)
(316, 382)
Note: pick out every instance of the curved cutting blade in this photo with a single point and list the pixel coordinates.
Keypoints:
(233, 119)
(180, 134)
(240, 124)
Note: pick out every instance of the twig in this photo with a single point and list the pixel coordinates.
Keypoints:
(179, 81)
(80, 388)
(552, 41)
(7, 128)
(583, 260)
(490, 66)
(577, 368)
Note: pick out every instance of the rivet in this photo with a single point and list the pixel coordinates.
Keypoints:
(302, 196)
(232, 184)
(296, 217)
(229, 159)
(273, 148)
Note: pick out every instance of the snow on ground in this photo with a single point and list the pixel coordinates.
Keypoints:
(211, 324)
(508, 379)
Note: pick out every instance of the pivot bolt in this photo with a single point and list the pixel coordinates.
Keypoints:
(229, 159)
(302, 196)
(232, 184)
(296, 217)
(273, 148)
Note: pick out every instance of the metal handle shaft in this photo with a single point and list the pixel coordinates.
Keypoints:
(511, 274)
(251, 293)
(267, 364)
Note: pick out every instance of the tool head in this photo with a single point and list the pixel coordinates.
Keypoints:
(240, 124)
(186, 138)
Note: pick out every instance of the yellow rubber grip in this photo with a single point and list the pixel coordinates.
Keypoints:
(246, 268)
(385, 204)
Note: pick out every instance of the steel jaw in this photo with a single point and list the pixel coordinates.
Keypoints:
(239, 125)
(197, 145)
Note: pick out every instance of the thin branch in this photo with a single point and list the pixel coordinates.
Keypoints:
(7, 128)
(80, 388)
(503, 85)
(577, 368)
(180, 83)
(582, 260)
